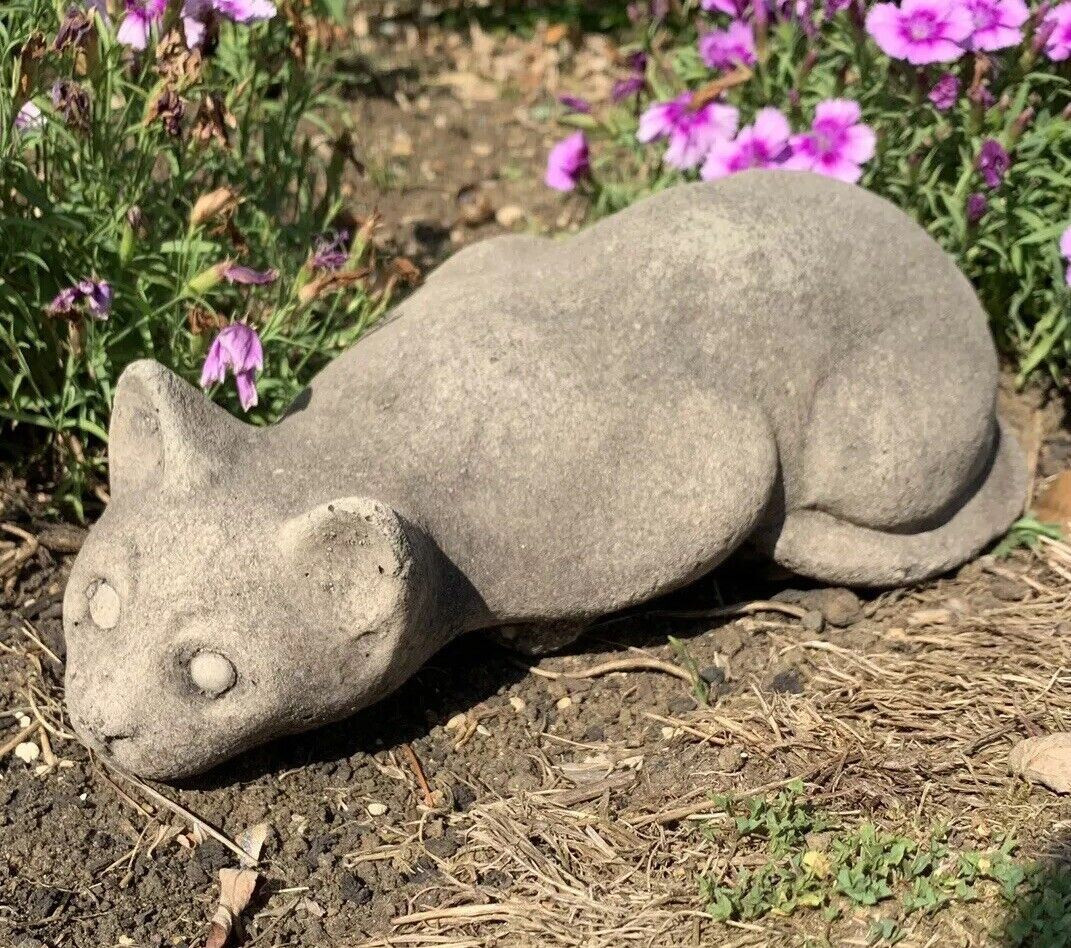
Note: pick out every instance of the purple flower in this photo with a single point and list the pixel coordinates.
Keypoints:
(637, 61)
(567, 162)
(1065, 249)
(837, 144)
(627, 88)
(735, 8)
(29, 118)
(996, 23)
(921, 31)
(247, 276)
(575, 102)
(723, 49)
(331, 251)
(245, 11)
(945, 92)
(761, 145)
(95, 294)
(691, 132)
(977, 205)
(993, 162)
(238, 348)
(1057, 24)
(141, 16)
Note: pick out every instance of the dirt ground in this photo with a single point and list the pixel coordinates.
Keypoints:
(494, 801)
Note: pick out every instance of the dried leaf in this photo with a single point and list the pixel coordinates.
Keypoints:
(1045, 759)
(236, 889)
(1054, 505)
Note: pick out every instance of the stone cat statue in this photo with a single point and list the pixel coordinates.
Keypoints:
(546, 432)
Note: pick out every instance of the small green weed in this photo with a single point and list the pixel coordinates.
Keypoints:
(1026, 531)
(811, 862)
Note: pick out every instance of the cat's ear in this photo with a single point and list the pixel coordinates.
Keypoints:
(361, 551)
(164, 432)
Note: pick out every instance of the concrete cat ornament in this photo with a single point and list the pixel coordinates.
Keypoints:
(546, 432)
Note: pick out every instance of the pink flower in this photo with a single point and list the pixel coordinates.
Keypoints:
(141, 16)
(996, 23)
(1065, 249)
(247, 276)
(331, 251)
(567, 162)
(723, 49)
(993, 162)
(238, 348)
(1057, 24)
(837, 144)
(921, 31)
(976, 207)
(761, 145)
(691, 132)
(245, 11)
(944, 93)
(734, 8)
(29, 119)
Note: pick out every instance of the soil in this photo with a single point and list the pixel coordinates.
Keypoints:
(498, 800)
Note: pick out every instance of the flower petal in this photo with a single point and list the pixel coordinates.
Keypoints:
(134, 31)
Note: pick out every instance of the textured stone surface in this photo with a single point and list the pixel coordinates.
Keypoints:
(546, 432)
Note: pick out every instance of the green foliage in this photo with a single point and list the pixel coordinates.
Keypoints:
(700, 690)
(1041, 913)
(925, 160)
(109, 197)
(812, 863)
(1025, 532)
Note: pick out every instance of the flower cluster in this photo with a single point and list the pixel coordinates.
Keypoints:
(837, 145)
(972, 116)
(197, 16)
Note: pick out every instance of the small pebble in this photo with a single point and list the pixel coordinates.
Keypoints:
(712, 675)
(509, 216)
(562, 703)
(813, 621)
(376, 809)
(517, 703)
(27, 751)
(354, 889)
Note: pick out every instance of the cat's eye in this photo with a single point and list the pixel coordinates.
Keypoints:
(212, 673)
(103, 605)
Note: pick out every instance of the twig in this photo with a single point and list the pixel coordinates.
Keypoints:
(618, 665)
(179, 810)
(418, 772)
(736, 609)
(12, 742)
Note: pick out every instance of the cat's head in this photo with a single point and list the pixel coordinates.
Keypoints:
(204, 615)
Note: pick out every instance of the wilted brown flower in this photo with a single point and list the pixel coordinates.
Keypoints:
(405, 269)
(33, 51)
(75, 30)
(203, 321)
(167, 108)
(213, 121)
(215, 203)
(72, 102)
(330, 283)
(179, 65)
